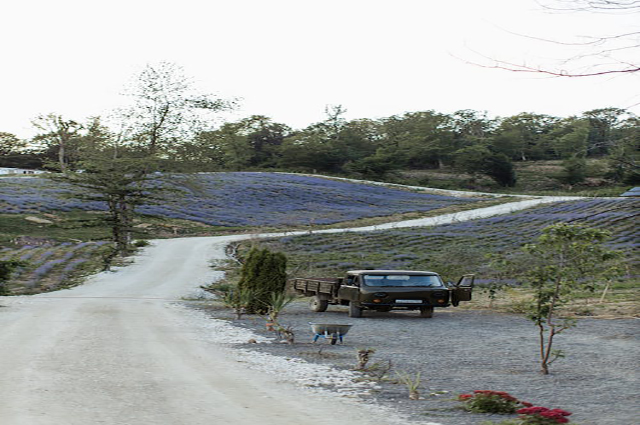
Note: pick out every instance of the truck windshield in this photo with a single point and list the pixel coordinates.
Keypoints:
(402, 280)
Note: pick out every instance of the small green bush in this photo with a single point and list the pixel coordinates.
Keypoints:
(483, 401)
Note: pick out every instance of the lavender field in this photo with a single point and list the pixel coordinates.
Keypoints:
(216, 199)
(240, 199)
(49, 265)
(460, 247)
(271, 199)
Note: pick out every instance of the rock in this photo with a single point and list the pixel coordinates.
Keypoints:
(38, 220)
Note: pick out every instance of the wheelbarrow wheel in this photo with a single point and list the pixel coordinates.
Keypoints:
(354, 309)
(318, 305)
(426, 312)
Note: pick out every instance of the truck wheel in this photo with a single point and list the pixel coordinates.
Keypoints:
(354, 309)
(426, 312)
(318, 305)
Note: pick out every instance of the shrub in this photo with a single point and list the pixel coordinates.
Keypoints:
(483, 401)
(264, 273)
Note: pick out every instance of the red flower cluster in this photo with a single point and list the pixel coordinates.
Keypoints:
(557, 415)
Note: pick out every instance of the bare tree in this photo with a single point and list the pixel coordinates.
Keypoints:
(600, 54)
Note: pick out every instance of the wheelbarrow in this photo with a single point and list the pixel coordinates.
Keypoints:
(333, 332)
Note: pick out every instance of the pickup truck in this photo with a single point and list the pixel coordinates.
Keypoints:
(384, 290)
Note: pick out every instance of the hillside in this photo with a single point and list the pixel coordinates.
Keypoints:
(458, 248)
(61, 238)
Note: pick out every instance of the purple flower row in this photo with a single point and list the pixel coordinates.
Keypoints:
(242, 199)
(416, 247)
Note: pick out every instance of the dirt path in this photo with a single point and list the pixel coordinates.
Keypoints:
(114, 351)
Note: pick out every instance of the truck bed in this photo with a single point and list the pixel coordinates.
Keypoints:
(314, 286)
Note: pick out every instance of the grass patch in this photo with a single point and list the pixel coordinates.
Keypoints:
(621, 301)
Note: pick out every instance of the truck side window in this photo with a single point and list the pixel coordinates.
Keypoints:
(352, 280)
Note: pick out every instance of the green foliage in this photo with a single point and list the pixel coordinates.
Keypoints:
(122, 184)
(478, 159)
(7, 267)
(9, 143)
(565, 259)
(574, 170)
(264, 273)
(238, 299)
(500, 169)
(412, 382)
(277, 302)
(483, 401)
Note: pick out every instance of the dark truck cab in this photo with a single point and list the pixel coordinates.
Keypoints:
(384, 290)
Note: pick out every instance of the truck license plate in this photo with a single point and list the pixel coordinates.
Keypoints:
(409, 301)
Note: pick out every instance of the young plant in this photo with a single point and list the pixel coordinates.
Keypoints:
(565, 259)
(238, 300)
(277, 302)
(412, 383)
(364, 355)
(285, 333)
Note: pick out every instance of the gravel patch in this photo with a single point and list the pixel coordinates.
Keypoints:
(457, 351)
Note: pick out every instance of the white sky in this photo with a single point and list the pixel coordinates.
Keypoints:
(288, 59)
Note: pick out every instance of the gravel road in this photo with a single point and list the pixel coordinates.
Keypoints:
(118, 351)
(459, 351)
(122, 349)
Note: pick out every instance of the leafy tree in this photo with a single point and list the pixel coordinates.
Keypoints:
(418, 139)
(263, 274)
(122, 184)
(564, 260)
(57, 133)
(250, 142)
(500, 169)
(624, 153)
(9, 143)
(373, 167)
(603, 125)
(166, 109)
(570, 137)
(471, 159)
(469, 127)
(477, 159)
(574, 170)
(522, 136)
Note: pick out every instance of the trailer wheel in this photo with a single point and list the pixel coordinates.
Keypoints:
(426, 312)
(318, 305)
(354, 309)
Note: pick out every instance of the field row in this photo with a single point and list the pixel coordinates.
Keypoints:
(240, 199)
(462, 247)
(51, 266)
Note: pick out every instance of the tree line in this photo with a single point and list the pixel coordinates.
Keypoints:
(466, 140)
